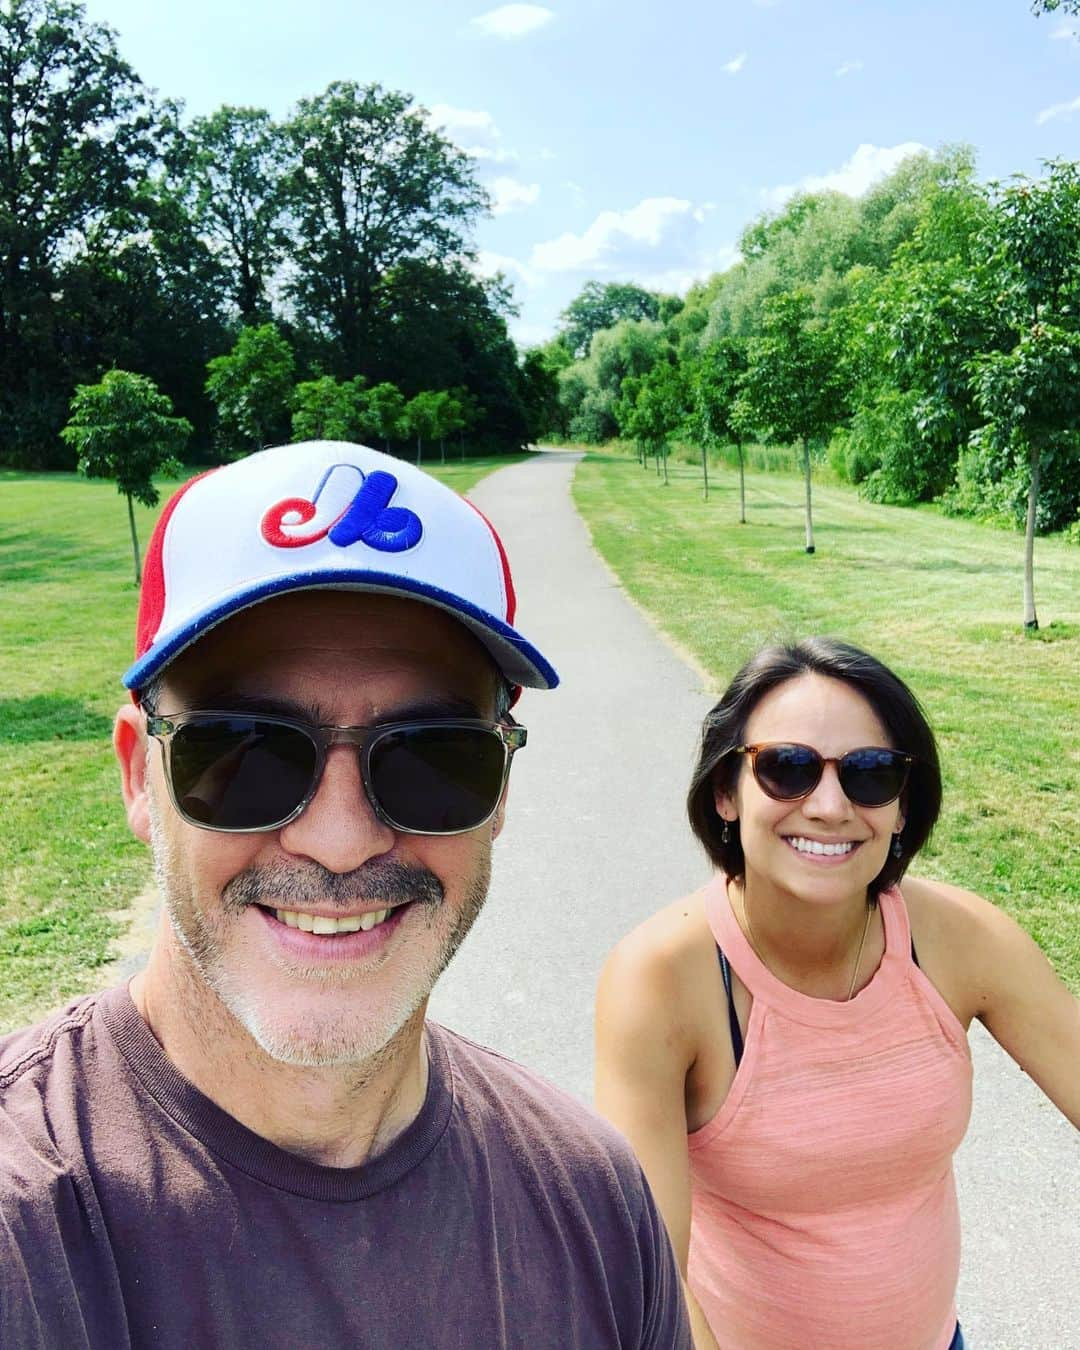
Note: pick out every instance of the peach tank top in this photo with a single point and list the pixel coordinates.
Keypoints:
(824, 1205)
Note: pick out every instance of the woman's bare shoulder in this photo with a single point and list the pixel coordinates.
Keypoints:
(662, 958)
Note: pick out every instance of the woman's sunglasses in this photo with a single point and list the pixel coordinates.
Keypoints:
(239, 773)
(869, 776)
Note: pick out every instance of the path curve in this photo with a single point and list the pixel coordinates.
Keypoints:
(596, 840)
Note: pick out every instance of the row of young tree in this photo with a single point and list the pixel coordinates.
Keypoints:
(925, 338)
(125, 429)
(132, 238)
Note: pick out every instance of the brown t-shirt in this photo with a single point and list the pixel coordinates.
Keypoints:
(135, 1212)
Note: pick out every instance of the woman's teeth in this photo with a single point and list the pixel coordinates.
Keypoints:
(317, 923)
(814, 846)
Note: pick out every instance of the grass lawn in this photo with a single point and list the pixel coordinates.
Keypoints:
(937, 599)
(68, 866)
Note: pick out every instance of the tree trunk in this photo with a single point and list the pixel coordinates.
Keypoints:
(134, 542)
(419, 451)
(442, 448)
(656, 452)
(809, 515)
(1030, 619)
(705, 469)
(665, 464)
(742, 485)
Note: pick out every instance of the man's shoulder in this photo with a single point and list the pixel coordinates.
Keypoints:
(497, 1094)
(42, 1081)
(34, 1049)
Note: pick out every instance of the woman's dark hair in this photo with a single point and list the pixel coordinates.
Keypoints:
(895, 706)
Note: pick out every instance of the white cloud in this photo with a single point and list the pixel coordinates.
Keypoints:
(488, 264)
(1058, 110)
(867, 165)
(848, 68)
(513, 21)
(510, 195)
(473, 130)
(1064, 31)
(735, 64)
(614, 234)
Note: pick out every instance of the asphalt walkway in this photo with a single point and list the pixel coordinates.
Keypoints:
(596, 840)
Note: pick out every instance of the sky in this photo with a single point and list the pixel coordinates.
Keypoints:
(635, 139)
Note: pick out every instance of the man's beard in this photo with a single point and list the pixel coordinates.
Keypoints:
(319, 1041)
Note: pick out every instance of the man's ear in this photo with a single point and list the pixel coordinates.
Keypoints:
(497, 820)
(129, 744)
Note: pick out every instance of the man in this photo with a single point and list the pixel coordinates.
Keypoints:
(261, 1142)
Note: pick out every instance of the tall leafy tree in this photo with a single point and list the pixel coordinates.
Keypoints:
(75, 140)
(233, 165)
(716, 381)
(123, 428)
(251, 386)
(1030, 394)
(602, 305)
(374, 186)
(793, 387)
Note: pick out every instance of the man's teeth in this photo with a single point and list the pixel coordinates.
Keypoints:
(814, 846)
(317, 923)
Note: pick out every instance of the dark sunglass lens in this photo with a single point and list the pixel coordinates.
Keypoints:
(872, 777)
(788, 771)
(437, 780)
(240, 773)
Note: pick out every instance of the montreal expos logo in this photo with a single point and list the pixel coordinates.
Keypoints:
(347, 507)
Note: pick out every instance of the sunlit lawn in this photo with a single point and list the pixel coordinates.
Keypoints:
(938, 599)
(68, 866)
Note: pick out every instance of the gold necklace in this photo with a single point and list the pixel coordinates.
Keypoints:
(757, 946)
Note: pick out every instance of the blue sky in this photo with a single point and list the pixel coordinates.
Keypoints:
(634, 139)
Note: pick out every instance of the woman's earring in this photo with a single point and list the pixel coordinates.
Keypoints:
(897, 847)
(725, 833)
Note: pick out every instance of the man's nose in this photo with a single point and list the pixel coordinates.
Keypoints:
(338, 828)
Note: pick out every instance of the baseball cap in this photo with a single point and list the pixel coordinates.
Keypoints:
(324, 515)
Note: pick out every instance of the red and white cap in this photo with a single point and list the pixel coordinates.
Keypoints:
(316, 516)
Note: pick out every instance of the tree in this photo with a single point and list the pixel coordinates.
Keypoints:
(792, 386)
(383, 411)
(251, 386)
(602, 306)
(233, 165)
(422, 415)
(656, 408)
(1029, 394)
(123, 428)
(76, 138)
(374, 186)
(326, 409)
(716, 380)
(1049, 6)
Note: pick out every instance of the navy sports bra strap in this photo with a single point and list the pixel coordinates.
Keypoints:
(736, 1030)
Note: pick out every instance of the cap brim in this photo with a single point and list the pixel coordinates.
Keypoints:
(516, 658)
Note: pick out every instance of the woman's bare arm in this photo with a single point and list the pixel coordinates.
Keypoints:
(1003, 979)
(643, 1054)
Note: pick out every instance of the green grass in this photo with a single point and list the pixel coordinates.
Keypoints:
(937, 599)
(68, 866)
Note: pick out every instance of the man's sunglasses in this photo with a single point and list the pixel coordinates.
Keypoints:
(238, 773)
(869, 776)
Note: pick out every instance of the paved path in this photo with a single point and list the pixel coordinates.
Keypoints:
(596, 840)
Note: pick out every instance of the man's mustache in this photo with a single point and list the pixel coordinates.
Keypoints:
(384, 882)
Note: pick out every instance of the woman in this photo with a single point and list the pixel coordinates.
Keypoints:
(786, 1049)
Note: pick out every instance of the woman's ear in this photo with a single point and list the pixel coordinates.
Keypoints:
(129, 744)
(725, 804)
